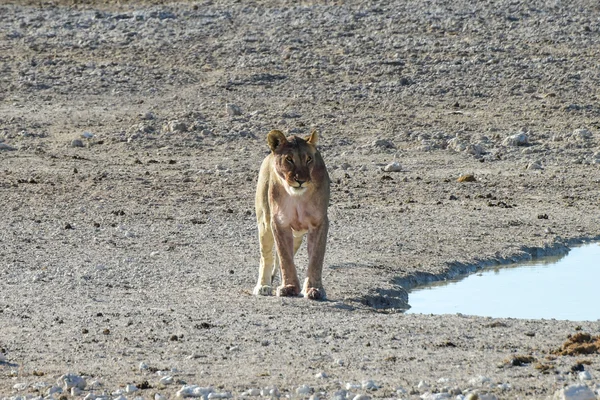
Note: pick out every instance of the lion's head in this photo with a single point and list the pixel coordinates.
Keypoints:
(297, 161)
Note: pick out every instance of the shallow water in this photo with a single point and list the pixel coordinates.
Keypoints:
(566, 288)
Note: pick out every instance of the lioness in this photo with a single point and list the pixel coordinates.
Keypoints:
(292, 196)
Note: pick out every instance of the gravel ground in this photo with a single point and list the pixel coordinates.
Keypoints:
(131, 134)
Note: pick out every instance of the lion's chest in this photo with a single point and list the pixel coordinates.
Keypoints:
(297, 212)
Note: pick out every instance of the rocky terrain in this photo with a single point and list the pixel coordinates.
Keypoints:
(131, 133)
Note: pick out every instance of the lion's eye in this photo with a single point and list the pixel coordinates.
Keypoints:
(308, 159)
(289, 159)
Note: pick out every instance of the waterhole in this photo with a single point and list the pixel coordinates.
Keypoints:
(564, 287)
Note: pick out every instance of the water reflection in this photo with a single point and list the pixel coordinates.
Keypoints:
(564, 287)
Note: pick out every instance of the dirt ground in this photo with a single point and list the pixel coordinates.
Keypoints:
(131, 133)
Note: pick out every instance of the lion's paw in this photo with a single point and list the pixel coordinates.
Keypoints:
(263, 290)
(314, 293)
(288, 291)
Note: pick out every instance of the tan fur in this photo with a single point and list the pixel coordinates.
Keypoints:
(292, 196)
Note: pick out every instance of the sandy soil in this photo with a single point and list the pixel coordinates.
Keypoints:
(127, 229)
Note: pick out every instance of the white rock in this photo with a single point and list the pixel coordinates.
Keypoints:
(361, 397)
(87, 135)
(166, 380)
(314, 397)
(233, 110)
(75, 391)
(120, 397)
(304, 389)
(223, 395)
(400, 391)
(393, 167)
(54, 389)
(143, 366)
(130, 388)
(274, 392)
(20, 386)
(68, 381)
(194, 391)
(321, 375)
(422, 386)
(479, 380)
(251, 392)
(535, 165)
(585, 376)
(487, 396)
(435, 396)
(158, 396)
(90, 396)
(519, 139)
(339, 395)
(353, 386)
(369, 385)
(581, 134)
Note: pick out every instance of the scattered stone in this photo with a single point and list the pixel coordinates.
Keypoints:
(575, 392)
(535, 165)
(466, 178)
(223, 395)
(75, 391)
(304, 389)
(176, 126)
(233, 110)
(369, 385)
(345, 165)
(519, 139)
(147, 116)
(384, 143)
(580, 135)
(77, 143)
(69, 381)
(20, 386)
(194, 391)
(4, 146)
(422, 386)
(479, 380)
(585, 376)
(87, 135)
(2, 358)
(353, 386)
(158, 396)
(166, 380)
(393, 167)
(321, 375)
(251, 393)
(130, 388)
(143, 366)
(54, 389)
(361, 397)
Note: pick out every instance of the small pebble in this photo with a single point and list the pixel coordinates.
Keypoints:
(87, 135)
(20, 386)
(233, 110)
(393, 167)
(77, 143)
(130, 388)
(90, 396)
(321, 375)
(69, 381)
(166, 380)
(2, 357)
(304, 389)
(369, 385)
(223, 395)
(75, 391)
(585, 376)
(353, 386)
(466, 178)
(361, 397)
(252, 392)
(158, 396)
(143, 366)
(54, 389)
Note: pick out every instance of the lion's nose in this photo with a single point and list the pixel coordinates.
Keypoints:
(300, 182)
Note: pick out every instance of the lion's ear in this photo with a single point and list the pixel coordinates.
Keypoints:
(276, 139)
(313, 138)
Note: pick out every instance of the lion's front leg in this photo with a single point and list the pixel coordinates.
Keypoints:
(267, 260)
(317, 241)
(284, 241)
